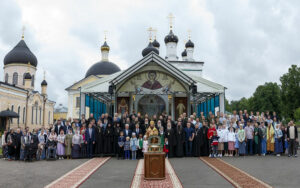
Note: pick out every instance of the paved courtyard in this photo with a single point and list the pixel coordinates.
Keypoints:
(191, 172)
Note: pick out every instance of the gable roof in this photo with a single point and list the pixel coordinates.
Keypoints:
(153, 57)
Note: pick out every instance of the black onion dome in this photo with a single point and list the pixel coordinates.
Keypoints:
(155, 43)
(189, 44)
(44, 83)
(184, 54)
(148, 49)
(102, 68)
(171, 37)
(105, 46)
(20, 54)
(27, 76)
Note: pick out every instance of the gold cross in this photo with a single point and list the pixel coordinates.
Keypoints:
(189, 33)
(171, 17)
(23, 30)
(44, 74)
(150, 33)
(105, 34)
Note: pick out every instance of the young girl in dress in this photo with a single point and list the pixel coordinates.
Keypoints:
(220, 134)
(83, 145)
(127, 148)
(61, 145)
(236, 145)
(231, 141)
(140, 148)
(133, 146)
(145, 144)
(166, 147)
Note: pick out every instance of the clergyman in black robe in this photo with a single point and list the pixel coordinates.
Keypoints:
(108, 139)
(117, 130)
(204, 146)
(170, 134)
(180, 139)
(99, 134)
(197, 142)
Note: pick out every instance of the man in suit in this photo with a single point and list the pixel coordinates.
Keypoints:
(127, 131)
(137, 130)
(59, 126)
(90, 139)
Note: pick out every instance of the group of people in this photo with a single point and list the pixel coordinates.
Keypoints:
(126, 137)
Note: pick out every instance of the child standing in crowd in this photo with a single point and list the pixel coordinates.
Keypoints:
(241, 137)
(140, 147)
(133, 146)
(236, 144)
(83, 145)
(145, 144)
(225, 139)
(210, 134)
(214, 144)
(127, 148)
(278, 141)
(121, 142)
(166, 147)
(61, 145)
(221, 140)
(231, 141)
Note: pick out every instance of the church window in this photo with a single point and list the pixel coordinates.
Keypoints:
(32, 81)
(19, 115)
(12, 109)
(36, 115)
(24, 79)
(24, 115)
(6, 77)
(40, 115)
(15, 78)
(32, 114)
(49, 117)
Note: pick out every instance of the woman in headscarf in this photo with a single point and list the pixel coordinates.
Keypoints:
(11, 144)
(278, 140)
(61, 144)
(241, 138)
(68, 143)
(76, 144)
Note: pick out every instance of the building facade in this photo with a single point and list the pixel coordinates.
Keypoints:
(152, 85)
(17, 91)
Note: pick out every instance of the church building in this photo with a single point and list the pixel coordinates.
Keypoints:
(153, 85)
(18, 94)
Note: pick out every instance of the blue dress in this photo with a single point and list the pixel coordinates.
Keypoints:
(236, 142)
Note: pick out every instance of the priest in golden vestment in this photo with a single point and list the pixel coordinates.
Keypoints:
(151, 130)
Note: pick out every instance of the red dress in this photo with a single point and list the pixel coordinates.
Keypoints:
(165, 149)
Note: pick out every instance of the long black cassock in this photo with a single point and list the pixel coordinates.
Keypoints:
(204, 147)
(180, 138)
(170, 134)
(117, 130)
(197, 143)
(108, 139)
(99, 134)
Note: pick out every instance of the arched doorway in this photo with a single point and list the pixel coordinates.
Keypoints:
(151, 104)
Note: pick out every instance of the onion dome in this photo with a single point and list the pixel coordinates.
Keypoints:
(20, 54)
(44, 83)
(148, 49)
(102, 68)
(27, 76)
(189, 44)
(184, 54)
(105, 47)
(171, 37)
(155, 43)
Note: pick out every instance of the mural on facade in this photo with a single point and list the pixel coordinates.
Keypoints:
(153, 82)
(180, 106)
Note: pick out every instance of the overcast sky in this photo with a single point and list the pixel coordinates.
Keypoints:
(243, 43)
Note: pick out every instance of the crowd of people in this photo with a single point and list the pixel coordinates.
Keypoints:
(126, 137)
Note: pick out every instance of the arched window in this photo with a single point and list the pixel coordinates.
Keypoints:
(24, 115)
(19, 115)
(6, 78)
(49, 117)
(32, 80)
(15, 78)
(24, 79)
(40, 115)
(12, 109)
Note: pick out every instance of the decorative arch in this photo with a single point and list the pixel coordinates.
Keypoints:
(15, 78)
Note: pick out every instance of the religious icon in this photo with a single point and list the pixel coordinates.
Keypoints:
(180, 107)
(152, 83)
(122, 105)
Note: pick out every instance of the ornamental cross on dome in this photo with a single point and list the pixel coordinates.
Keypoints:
(171, 17)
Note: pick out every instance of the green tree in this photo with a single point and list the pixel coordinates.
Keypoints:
(290, 91)
(266, 98)
(297, 114)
